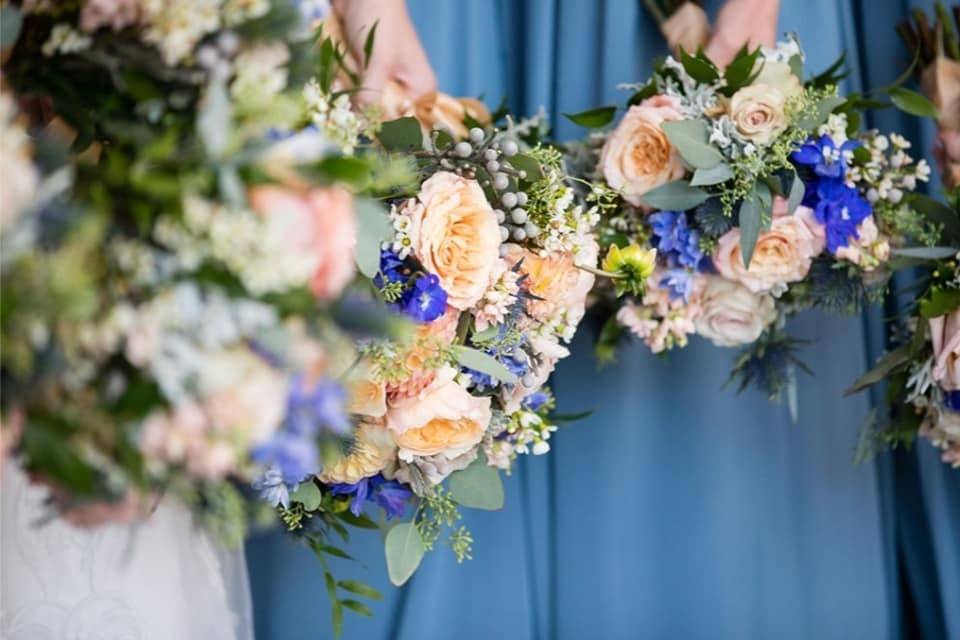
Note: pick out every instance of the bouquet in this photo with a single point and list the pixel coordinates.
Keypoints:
(920, 371)
(171, 285)
(482, 256)
(732, 199)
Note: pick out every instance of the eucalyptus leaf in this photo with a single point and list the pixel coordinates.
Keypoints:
(373, 229)
(912, 102)
(716, 175)
(308, 494)
(890, 362)
(690, 139)
(941, 302)
(926, 253)
(593, 118)
(796, 65)
(404, 550)
(825, 106)
(797, 191)
(675, 196)
(751, 221)
(402, 134)
(478, 486)
(484, 363)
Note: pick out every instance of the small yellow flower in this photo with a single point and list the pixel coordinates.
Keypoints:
(631, 267)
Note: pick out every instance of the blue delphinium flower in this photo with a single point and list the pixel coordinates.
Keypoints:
(272, 489)
(422, 299)
(389, 495)
(838, 207)
(679, 282)
(426, 300)
(951, 400)
(675, 241)
(318, 406)
(295, 456)
(824, 157)
(516, 364)
(535, 400)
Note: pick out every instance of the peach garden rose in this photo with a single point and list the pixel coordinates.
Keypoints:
(443, 418)
(637, 156)
(783, 254)
(455, 236)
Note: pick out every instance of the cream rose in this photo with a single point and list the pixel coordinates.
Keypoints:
(779, 76)
(456, 236)
(783, 254)
(945, 336)
(731, 314)
(757, 111)
(373, 451)
(638, 156)
(443, 418)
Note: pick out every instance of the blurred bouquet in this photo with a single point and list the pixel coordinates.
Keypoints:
(170, 288)
(922, 370)
(483, 255)
(733, 199)
(937, 62)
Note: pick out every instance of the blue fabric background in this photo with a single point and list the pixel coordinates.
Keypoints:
(677, 510)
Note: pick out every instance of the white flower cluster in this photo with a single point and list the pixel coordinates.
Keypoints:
(64, 39)
(175, 27)
(523, 432)
(401, 244)
(255, 248)
(169, 334)
(890, 170)
(335, 117)
(260, 73)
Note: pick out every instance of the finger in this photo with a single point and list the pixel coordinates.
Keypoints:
(419, 79)
(371, 86)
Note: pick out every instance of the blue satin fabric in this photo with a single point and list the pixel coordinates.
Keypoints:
(678, 509)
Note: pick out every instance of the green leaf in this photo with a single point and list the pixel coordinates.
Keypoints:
(478, 486)
(361, 522)
(349, 169)
(373, 229)
(940, 302)
(358, 607)
(699, 67)
(557, 418)
(646, 91)
(913, 103)
(593, 118)
(368, 44)
(939, 213)
(751, 221)
(926, 253)
(796, 65)
(308, 494)
(797, 190)
(832, 75)
(483, 362)
(690, 139)
(740, 70)
(320, 548)
(403, 134)
(360, 589)
(404, 550)
(675, 196)
(716, 175)
(10, 22)
(890, 362)
(442, 139)
(336, 618)
(525, 163)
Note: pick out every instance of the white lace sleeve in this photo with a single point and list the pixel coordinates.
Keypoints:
(161, 579)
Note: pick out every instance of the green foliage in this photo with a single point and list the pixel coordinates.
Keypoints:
(769, 364)
(675, 196)
(482, 362)
(373, 228)
(913, 103)
(478, 486)
(402, 135)
(404, 548)
(690, 137)
(593, 118)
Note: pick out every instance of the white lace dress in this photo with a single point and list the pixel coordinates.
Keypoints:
(162, 579)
